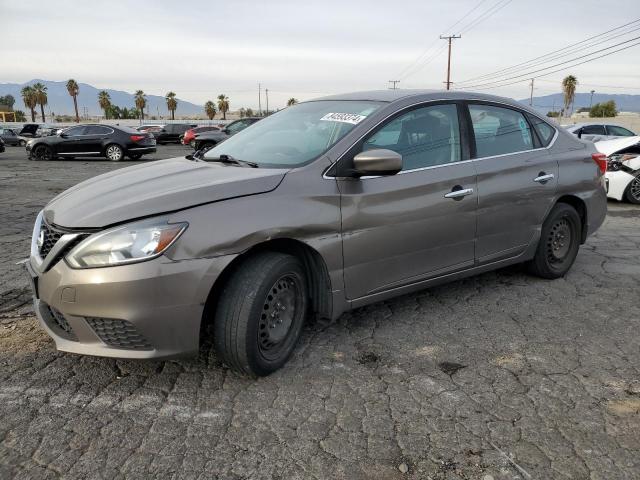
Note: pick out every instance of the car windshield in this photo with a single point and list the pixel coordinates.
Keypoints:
(296, 135)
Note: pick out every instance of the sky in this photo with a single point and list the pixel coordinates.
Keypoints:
(303, 49)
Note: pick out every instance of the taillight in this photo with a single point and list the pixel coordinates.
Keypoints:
(601, 160)
(137, 138)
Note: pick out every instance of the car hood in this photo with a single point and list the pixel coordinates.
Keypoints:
(155, 188)
(609, 147)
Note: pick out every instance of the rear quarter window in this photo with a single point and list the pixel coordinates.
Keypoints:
(545, 131)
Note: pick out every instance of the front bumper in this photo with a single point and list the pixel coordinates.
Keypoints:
(144, 310)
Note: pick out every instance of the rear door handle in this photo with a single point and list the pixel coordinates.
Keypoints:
(457, 194)
(543, 177)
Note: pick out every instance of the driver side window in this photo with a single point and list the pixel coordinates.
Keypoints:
(425, 137)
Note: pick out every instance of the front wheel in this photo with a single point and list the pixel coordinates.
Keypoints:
(114, 152)
(559, 243)
(42, 152)
(260, 313)
(632, 193)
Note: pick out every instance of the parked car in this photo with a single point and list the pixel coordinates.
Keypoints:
(596, 132)
(147, 128)
(206, 140)
(623, 168)
(33, 130)
(112, 142)
(325, 206)
(11, 138)
(171, 132)
(189, 136)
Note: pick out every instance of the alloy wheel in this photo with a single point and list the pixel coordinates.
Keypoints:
(114, 152)
(43, 153)
(634, 188)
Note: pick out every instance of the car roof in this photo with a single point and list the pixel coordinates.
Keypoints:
(392, 95)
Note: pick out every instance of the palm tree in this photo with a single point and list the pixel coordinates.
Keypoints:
(569, 85)
(210, 109)
(30, 101)
(172, 103)
(292, 101)
(104, 99)
(40, 91)
(141, 102)
(223, 105)
(74, 89)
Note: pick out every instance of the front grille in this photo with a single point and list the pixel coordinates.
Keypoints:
(48, 238)
(57, 322)
(119, 334)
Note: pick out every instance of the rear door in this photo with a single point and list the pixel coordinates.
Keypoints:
(94, 139)
(404, 228)
(517, 180)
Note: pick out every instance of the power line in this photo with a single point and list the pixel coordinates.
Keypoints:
(560, 69)
(505, 70)
(394, 83)
(487, 14)
(528, 74)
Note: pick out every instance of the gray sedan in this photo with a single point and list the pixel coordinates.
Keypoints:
(326, 206)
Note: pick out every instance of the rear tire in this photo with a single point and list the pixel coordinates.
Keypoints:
(559, 243)
(260, 313)
(114, 152)
(632, 192)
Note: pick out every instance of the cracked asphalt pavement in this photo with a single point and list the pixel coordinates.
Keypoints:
(500, 376)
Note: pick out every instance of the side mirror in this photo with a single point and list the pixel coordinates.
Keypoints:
(377, 162)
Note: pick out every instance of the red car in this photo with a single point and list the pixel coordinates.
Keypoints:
(190, 135)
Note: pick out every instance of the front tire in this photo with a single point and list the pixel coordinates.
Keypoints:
(559, 243)
(43, 152)
(114, 152)
(260, 313)
(632, 192)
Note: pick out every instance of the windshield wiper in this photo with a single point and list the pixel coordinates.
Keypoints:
(233, 161)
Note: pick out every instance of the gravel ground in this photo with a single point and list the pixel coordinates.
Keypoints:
(499, 376)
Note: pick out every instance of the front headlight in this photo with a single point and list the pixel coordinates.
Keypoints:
(135, 242)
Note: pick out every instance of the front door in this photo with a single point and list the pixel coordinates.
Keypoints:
(517, 181)
(419, 223)
(70, 141)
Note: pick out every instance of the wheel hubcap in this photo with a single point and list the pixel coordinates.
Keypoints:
(635, 188)
(279, 312)
(114, 153)
(559, 242)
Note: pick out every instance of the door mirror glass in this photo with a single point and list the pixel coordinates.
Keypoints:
(377, 162)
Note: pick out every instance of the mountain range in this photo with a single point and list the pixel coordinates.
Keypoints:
(60, 103)
(624, 103)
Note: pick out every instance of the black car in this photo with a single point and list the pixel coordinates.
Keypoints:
(209, 139)
(171, 132)
(112, 142)
(10, 137)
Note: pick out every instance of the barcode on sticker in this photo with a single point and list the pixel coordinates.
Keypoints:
(352, 118)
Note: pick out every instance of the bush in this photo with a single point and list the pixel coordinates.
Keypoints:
(553, 114)
(605, 109)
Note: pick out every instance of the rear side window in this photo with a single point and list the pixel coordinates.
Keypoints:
(593, 130)
(543, 129)
(499, 130)
(425, 137)
(619, 131)
(97, 130)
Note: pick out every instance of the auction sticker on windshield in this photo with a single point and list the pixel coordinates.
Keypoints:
(352, 118)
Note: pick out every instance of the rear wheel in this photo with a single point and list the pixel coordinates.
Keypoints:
(260, 313)
(114, 152)
(42, 152)
(632, 193)
(559, 243)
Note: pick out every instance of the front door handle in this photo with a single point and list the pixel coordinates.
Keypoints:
(543, 177)
(457, 193)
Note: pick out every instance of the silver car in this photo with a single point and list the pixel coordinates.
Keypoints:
(596, 132)
(326, 206)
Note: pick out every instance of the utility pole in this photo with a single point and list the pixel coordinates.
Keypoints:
(394, 82)
(259, 100)
(449, 38)
(591, 102)
(266, 94)
(531, 95)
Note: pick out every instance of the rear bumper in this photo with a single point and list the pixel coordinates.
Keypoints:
(146, 310)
